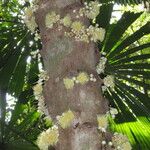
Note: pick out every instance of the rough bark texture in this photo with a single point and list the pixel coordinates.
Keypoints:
(66, 57)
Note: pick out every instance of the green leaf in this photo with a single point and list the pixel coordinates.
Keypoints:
(142, 97)
(20, 145)
(116, 33)
(131, 51)
(137, 73)
(130, 66)
(134, 58)
(134, 37)
(103, 19)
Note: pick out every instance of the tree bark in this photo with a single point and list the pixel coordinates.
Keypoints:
(65, 57)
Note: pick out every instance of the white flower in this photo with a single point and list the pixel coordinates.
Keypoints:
(79, 32)
(28, 13)
(103, 53)
(121, 142)
(113, 111)
(37, 37)
(48, 138)
(41, 105)
(110, 143)
(109, 81)
(51, 19)
(101, 65)
(37, 89)
(29, 19)
(43, 75)
(66, 21)
(69, 83)
(92, 78)
(91, 75)
(102, 122)
(90, 10)
(34, 53)
(66, 119)
(77, 26)
(96, 33)
(103, 142)
(74, 78)
(83, 78)
(104, 88)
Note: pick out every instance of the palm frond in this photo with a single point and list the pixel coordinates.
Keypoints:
(128, 61)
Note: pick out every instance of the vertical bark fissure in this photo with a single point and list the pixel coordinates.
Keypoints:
(64, 57)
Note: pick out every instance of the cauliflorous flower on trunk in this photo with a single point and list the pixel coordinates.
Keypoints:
(37, 89)
(41, 106)
(43, 75)
(51, 19)
(77, 26)
(91, 10)
(66, 21)
(83, 78)
(109, 81)
(121, 142)
(113, 111)
(101, 65)
(48, 138)
(96, 33)
(69, 83)
(102, 122)
(29, 19)
(66, 119)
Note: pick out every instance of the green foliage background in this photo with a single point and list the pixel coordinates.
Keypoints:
(127, 45)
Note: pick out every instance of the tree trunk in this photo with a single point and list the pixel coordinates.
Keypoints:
(64, 57)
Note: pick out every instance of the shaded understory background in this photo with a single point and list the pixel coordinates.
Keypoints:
(127, 45)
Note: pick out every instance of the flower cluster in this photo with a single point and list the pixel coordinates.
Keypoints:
(43, 76)
(86, 34)
(48, 138)
(92, 78)
(38, 89)
(109, 81)
(66, 21)
(90, 10)
(51, 19)
(76, 28)
(91, 33)
(107, 144)
(34, 53)
(113, 112)
(82, 79)
(101, 65)
(102, 122)
(121, 142)
(69, 83)
(37, 36)
(66, 119)
(96, 33)
(34, 1)
(34, 5)
(29, 19)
